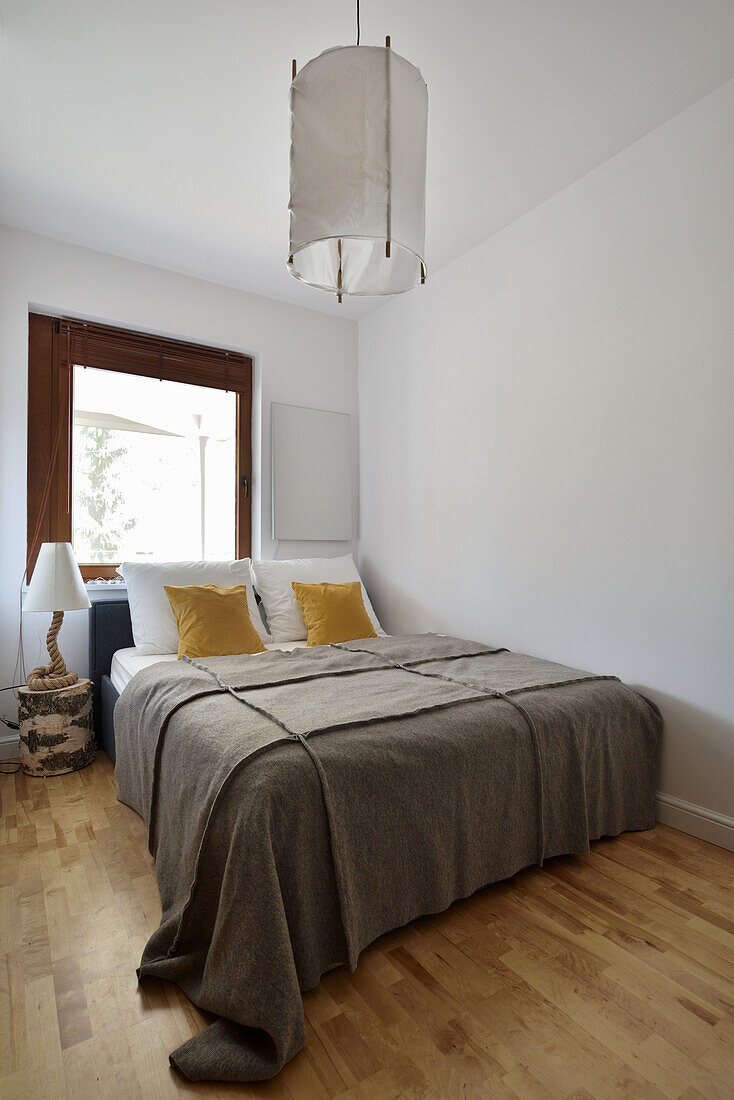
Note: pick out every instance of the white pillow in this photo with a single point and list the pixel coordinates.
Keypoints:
(154, 625)
(273, 582)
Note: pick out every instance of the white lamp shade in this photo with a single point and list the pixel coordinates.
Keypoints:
(359, 121)
(56, 584)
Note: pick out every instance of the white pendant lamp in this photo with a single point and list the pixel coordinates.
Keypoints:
(359, 119)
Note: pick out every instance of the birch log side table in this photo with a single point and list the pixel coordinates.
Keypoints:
(56, 734)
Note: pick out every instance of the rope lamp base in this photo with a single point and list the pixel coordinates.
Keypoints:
(53, 675)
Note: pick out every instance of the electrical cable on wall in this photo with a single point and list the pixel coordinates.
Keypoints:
(19, 668)
(9, 767)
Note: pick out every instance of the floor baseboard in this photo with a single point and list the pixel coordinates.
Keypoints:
(697, 820)
(9, 746)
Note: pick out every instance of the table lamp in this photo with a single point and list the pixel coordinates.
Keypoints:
(56, 586)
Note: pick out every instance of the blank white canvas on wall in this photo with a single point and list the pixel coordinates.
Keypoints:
(312, 479)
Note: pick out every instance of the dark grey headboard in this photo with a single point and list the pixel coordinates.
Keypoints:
(110, 629)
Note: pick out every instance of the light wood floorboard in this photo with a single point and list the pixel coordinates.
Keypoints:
(604, 975)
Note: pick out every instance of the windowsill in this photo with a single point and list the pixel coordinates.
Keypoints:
(94, 587)
(97, 590)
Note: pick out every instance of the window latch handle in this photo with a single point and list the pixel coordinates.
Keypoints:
(246, 486)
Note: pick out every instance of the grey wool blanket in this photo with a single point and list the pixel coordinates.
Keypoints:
(301, 804)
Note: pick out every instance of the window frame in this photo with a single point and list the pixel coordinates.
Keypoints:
(51, 406)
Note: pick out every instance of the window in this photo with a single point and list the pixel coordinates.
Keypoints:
(138, 447)
(152, 469)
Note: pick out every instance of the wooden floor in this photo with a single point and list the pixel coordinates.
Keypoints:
(610, 974)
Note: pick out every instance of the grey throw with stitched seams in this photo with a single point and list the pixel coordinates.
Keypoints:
(301, 804)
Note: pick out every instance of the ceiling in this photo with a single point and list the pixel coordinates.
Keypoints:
(158, 129)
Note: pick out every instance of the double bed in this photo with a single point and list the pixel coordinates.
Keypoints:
(304, 801)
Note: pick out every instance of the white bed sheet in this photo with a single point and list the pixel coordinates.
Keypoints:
(126, 662)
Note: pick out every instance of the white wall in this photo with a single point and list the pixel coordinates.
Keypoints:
(546, 457)
(301, 357)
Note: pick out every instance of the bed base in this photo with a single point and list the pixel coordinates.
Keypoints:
(110, 629)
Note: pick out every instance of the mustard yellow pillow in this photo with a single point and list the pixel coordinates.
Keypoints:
(212, 621)
(333, 612)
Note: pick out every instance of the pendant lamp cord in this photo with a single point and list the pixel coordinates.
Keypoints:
(359, 33)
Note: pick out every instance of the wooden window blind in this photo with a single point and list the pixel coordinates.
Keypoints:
(106, 348)
(55, 346)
